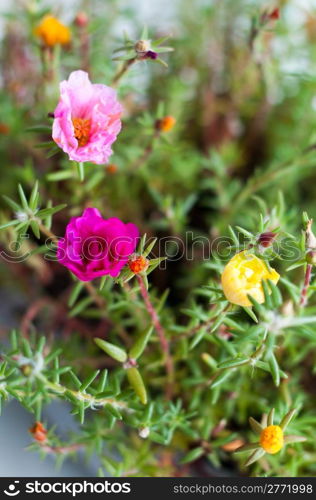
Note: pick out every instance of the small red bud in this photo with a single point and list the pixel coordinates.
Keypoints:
(39, 432)
(274, 15)
(81, 19)
(266, 239)
(138, 264)
(150, 54)
(111, 168)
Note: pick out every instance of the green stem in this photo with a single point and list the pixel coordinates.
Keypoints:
(147, 152)
(121, 72)
(161, 334)
(80, 168)
(82, 396)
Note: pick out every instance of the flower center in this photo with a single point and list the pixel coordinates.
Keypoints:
(94, 248)
(82, 130)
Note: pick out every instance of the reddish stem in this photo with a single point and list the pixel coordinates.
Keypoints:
(161, 334)
(84, 49)
(308, 275)
(62, 450)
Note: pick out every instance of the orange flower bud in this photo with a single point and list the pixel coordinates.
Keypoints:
(138, 264)
(39, 432)
(111, 168)
(166, 124)
(52, 32)
(271, 439)
(4, 129)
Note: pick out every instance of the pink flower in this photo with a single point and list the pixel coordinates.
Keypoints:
(87, 119)
(95, 247)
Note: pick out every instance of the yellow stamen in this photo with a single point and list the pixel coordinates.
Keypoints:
(82, 130)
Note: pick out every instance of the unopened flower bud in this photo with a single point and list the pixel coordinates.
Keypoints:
(4, 129)
(310, 237)
(274, 15)
(39, 432)
(266, 239)
(165, 124)
(138, 264)
(130, 363)
(151, 54)
(81, 19)
(142, 46)
(111, 168)
(144, 432)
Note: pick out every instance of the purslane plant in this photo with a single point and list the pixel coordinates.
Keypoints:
(156, 386)
(34, 378)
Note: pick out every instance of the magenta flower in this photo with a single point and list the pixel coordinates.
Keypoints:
(87, 119)
(95, 247)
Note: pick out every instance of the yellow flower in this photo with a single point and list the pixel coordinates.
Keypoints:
(243, 275)
(272, 439)
(52, 32)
